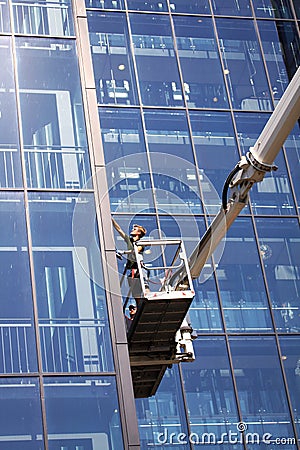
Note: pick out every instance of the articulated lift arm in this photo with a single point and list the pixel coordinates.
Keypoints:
(250, 170)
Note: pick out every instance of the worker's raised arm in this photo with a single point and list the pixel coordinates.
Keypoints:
(118, 228)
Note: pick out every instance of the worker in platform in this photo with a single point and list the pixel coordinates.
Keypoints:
(133, 276)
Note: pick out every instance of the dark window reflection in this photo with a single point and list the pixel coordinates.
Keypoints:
(68, 275)
(111, 58)
(241, 281)
(281, 47)
(279, 242)
(155, 58)
(260, 387)
(232, 7)
(280, 9)
(82, 413)
(292, 146)
(200, 64)
(214, 140)
(172, 161)
(209, 394)
(192, 6)
(53, 124)
(296, 5)
(273, 195)
(243, 64)
(163, 414)
(148, 5)
(43, 17)
(16, 315)
(10, 170)
(290, 350)
(126, 160)
(20, 414)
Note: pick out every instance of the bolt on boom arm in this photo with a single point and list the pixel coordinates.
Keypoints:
(249, 170)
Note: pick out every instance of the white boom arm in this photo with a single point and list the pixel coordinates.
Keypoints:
(250, 169)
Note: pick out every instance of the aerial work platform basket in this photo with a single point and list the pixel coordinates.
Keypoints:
(159, 334)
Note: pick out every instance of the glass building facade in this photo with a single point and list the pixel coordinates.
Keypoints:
(140, 109)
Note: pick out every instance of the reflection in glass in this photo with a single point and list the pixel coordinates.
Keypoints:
(281, 48)
(148, 5)
(280, 9)
(163, 414)
(111, 60)
(10, 170)
(53, 125)
(279, 241)
(244, 69)
(292, 146)
(20, 416)
(200, 63)
(172, 161)
(290, 350)
(296, 5)
(105, 4)
(126, 160)
(192, 6)
(273, 195)
(68, 276)
(260, 387)
(214, 140)
(43, 17)
(210, 395)
(232, 7)
(155, 58)
(82, 413)
(241, 282)
(4, 17)
(18, 349)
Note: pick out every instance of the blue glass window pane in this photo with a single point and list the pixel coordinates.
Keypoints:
(279, 242)
(163, 414)
(115, 83)
(10, 169)
(241, 281)
(126, 161)
(290, 346)
(82, 413)
(260, 387)
(70, 291)
(172, 161)
(105, 4)
(21, 417)
(281, 48)
(53, 126)
(209, 394)
(200, 63)
(280, 9)
(192, 6)
(292, 146)
(148, 5)
(273, 195)
(296, 5)
(155, 60)
(52, 18)
(16, 317)
(244, 69)
(213, 137)
(4, 17)
(232, 7)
